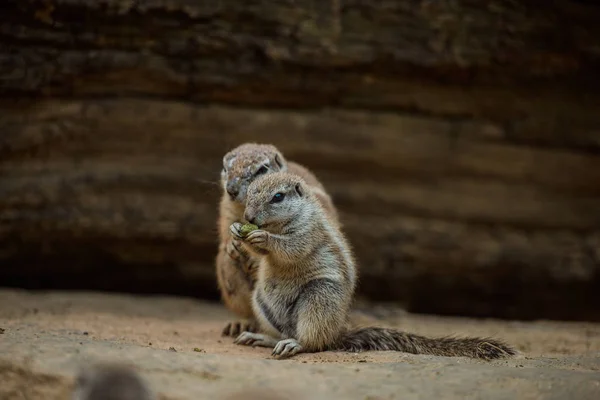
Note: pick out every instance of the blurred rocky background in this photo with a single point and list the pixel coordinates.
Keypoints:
(460, 140)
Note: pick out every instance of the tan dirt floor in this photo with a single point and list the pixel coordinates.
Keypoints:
(48, 335)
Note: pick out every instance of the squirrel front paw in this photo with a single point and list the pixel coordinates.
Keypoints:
(257, 238)
(236, 230)
(234, 249)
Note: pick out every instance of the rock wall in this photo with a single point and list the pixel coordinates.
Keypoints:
(459, 139)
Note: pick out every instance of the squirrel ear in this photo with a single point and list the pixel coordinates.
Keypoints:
(278, 160)
(228, 158)
(299, 189)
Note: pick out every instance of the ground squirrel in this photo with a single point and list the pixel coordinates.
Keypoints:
(235, 268)
(110, 382)
(307, 277)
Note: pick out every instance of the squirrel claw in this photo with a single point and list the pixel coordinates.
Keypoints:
(286, 348)
(255, 339)
(234, 328)
(235, 230)
(257, 237)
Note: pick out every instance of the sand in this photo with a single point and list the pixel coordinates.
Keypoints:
(47, 336)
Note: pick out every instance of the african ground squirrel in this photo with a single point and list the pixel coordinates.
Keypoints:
(110, 382)
(235, 268)
(307, 277)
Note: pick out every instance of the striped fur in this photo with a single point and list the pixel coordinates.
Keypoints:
(372, 338)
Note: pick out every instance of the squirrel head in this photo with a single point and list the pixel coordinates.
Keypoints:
(275, 199)
(245, 163)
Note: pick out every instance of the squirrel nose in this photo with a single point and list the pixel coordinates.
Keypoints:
(231, 191)
(250, 218)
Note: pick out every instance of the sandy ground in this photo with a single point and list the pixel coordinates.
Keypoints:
(47, 336)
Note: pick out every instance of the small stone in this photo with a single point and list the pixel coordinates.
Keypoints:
(198, 350)
(172, 349)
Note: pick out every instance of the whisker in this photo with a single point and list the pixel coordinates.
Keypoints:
(198, 180)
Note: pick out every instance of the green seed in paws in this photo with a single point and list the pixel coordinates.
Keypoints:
(247, 228)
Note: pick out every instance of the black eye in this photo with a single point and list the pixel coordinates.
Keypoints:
(262, 170)
(277, 198)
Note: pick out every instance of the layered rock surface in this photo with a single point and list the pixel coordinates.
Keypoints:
(460, 141)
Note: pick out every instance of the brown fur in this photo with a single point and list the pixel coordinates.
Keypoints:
(307, 277)
(236, 269)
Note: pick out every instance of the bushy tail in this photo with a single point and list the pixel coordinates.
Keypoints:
(364, 339)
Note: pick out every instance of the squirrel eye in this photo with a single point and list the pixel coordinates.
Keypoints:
(262, 170)
(277, 198)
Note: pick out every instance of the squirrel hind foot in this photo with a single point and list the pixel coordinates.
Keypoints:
(234, 328)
